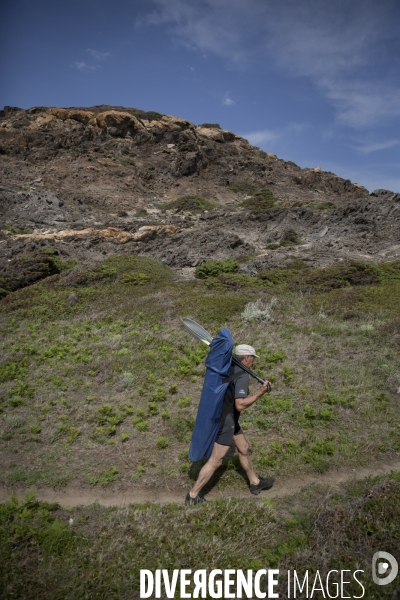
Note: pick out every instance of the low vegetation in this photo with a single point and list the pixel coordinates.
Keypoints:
(253, 199)
(103, 391)
(80, 379)
(50, 552)
(150, 115)
(290, 237)
(212, 268)
(13, 229)
(210, 125)
(190, 203)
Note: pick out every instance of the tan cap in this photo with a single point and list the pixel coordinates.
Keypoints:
(245, 350)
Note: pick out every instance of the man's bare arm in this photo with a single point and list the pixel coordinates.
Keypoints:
(242, 403)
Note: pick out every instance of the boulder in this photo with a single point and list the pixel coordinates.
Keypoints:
(83, 116)
(47, 121)
(175, 123)
(60, 113)
(213, 133)
(120, 124)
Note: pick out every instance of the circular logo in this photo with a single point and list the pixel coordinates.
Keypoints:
(384, 572)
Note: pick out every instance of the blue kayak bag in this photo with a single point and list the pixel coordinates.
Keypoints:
(218, 364)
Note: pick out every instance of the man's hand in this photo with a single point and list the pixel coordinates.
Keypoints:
(266, 387)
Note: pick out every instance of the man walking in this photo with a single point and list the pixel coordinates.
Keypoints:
(236, 399)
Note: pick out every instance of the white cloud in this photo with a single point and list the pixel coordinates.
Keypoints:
(82, 66)
(275, 140)
(265, 136)
(368, 148)
(228, 101)
(98, 55)
(344, 48)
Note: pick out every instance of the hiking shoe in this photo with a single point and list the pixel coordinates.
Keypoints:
(263, 484)
(197, 500)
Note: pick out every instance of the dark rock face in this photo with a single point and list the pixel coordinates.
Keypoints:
(87, 170)
(385, 194)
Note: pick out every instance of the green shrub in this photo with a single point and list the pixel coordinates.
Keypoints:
(338, 276)
(311, 414)
(150, 115)
(135, 278)
(327, 206)
(260, 200)
(184, 402)
(162, 443)
(210, 125)
(153, 115)
(104, 477)
(320, 448)
(140, 424)
(159, 396)
(212, 268)
(290, 237)
(35, 428)
(14, 229)
(276, 405)
(282, 276)
(191, 203)
(153, 408)
(272, 356)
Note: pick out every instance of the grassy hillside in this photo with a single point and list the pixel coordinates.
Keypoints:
(100, 383)
(99, 386)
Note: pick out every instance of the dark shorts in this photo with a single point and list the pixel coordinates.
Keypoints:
(227, 430)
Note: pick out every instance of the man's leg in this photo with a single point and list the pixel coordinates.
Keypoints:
(256, 483)
(244, 456)
(209, 468)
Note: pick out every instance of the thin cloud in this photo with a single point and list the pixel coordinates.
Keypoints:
(208, 25)
(343, 48)
(82, 66)
(275, 139)
(228, 101)
(98, 55)
(265, 136)
(368, 148)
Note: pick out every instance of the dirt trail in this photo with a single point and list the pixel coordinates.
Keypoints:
(73, 496)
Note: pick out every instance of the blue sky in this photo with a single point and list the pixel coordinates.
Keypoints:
(314, 81)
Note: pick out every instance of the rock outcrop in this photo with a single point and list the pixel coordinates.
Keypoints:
(103, 180)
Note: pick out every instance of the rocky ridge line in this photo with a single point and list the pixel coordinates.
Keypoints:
(84, 179)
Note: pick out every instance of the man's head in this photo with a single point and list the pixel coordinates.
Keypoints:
(246, 354)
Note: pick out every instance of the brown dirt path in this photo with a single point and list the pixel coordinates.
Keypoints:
(71, 496)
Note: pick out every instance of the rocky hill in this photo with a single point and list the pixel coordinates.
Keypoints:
(109, 180)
